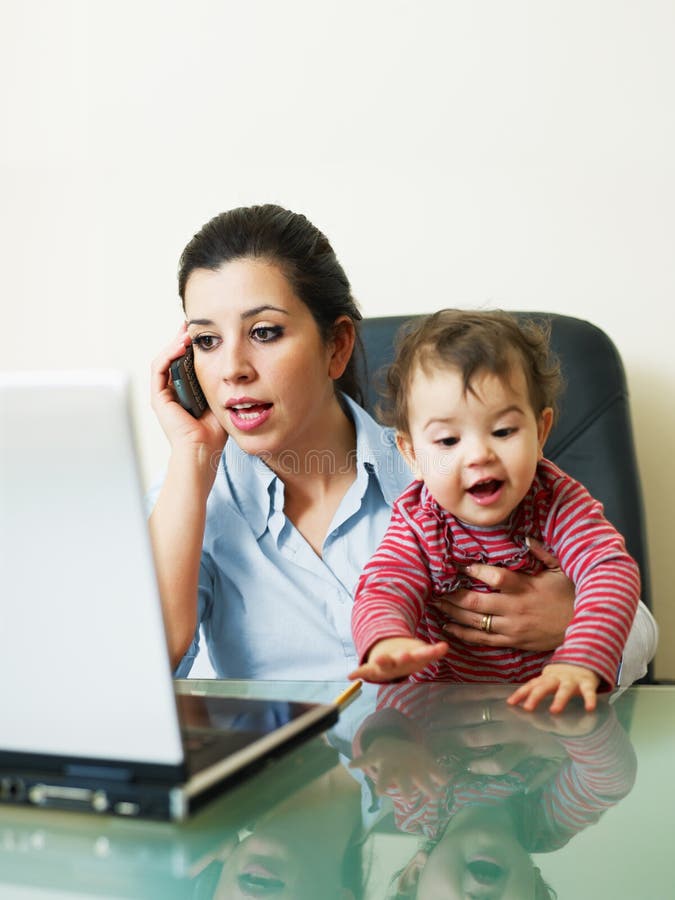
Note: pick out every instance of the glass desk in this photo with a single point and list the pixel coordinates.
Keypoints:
(437, 790)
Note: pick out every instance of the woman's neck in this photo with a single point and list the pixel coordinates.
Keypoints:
(318, 477)
(318, 462)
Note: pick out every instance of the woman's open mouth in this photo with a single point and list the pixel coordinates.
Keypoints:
(262, 870)
(249, 414)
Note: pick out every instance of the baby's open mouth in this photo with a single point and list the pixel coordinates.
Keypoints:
(486, 872)
(485, 488)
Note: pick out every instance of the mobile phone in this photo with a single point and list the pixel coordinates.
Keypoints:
(184, 378)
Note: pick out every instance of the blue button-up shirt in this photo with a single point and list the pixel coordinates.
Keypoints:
(269, 607)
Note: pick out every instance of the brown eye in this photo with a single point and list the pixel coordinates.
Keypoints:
(205, 342)
(265, 334)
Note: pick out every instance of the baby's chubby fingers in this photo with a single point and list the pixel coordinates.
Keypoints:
(562, 696)
(569, 689)
(429, 653)
(562, 680)
(382, 668)
(530, 694)
(573, 681)
(405, 657)
(367, 672)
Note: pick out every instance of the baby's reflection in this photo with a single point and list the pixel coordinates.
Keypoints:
(485, 784)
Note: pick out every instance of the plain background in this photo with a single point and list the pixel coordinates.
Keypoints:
(513, 154)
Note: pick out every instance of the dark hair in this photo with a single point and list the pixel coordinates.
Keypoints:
(490, 340)
(301, 251)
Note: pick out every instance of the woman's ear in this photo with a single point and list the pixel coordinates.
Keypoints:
(544, 425)
(341, 346)
(407, 451)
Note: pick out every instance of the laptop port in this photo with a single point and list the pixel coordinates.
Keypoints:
(12, 789)
(67, 797)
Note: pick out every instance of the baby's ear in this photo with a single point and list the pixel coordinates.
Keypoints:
(544, 425)
(407, 451)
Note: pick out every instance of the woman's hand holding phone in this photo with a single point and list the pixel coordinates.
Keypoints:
(182, 428)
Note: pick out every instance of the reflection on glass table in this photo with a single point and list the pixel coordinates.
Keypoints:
(424, 791)
(483, 785)
(103, 856)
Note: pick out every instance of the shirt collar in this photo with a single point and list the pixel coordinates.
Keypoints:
(252, 485)
(259, 493)
(376, 449)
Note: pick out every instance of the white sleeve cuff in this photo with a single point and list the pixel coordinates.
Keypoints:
(640, 647)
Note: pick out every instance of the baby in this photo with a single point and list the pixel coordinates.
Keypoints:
(474, 396)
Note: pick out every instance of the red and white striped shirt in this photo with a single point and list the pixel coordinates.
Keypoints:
(424, 548)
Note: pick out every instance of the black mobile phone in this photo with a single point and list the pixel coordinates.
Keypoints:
(190, 395)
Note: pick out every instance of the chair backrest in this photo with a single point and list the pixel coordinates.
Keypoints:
(592, 439)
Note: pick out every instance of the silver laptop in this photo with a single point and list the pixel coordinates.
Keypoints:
(88, 714)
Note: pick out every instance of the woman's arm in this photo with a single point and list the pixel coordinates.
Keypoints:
(179, 515)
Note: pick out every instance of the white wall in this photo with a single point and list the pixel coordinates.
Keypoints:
(515, 154)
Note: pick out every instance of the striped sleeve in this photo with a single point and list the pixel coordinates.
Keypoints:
(606, 578)
(601, 770)
(395, 584)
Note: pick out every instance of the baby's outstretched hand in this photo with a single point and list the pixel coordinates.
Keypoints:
(394, 658)
(562, 680)
(398, 764)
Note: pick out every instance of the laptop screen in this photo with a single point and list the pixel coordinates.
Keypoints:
(84, 669)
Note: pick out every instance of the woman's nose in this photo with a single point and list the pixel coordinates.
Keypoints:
(236, 365)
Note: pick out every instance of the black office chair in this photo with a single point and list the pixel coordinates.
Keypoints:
(592, 439)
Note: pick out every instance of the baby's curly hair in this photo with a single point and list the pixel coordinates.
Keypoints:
(471, 341)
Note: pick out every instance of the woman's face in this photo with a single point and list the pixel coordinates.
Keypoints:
(260, 359)
(282, 867)
(296, 850)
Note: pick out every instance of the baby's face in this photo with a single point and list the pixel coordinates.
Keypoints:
(478, 857)
(476, 451)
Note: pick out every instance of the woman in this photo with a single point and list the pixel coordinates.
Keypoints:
(277, 496)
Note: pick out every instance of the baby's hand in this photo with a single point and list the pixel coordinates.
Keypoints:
(395, 658)
(397, 764)
(563, 680)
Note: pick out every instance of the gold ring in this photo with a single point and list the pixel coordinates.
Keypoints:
(486, 624)
(486, 715)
